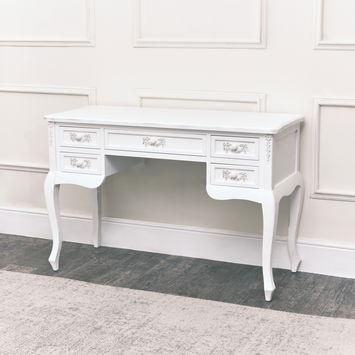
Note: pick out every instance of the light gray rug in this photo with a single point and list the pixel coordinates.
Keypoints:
(47, 315)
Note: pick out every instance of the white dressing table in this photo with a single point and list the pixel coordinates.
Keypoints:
(248, 156)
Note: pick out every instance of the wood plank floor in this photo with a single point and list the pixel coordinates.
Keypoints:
(226, 282)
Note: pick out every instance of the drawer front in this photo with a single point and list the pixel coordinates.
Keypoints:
(80, 163)
(156, 142)
(79, 137)
(233, 175)
(235, 147)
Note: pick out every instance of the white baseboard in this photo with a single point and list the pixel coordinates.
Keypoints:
(318, 257)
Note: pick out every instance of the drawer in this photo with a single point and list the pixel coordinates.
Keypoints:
(235, 147)
(158, 142)
(79, 137)
(80, 163)
(234, 175)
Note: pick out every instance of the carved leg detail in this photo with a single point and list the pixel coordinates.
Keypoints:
(270, 208)
(51, 191)
(97, 214)
(295, 216)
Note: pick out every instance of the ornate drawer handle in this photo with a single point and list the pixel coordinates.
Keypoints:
(84, 164)
(153, 142)
(241, 176)
(85, 138)
(240, 148)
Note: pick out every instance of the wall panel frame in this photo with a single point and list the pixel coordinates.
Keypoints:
(258, 99)
(163, 42)
(320, 42)
(88, 41)
(317, 191)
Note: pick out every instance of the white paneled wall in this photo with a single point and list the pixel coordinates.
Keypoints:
(245, 55)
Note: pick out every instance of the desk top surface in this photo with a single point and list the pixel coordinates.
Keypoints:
(202, 120)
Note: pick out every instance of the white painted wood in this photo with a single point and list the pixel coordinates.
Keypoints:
(162, 142)
(91, 181)
(293, 186)
(235, 147)
(157, 155)
(115, 164)
(51, 191)
(270, 207)
(202, 120)
(234, 175)
(79, 137)
(97, 216)
(155, 132)
(285, 150)
(267, 161)
(80, 163)
(189, 241)
(51, 194)
(295, 216)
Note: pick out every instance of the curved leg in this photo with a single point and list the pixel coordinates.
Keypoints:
(295, 216)
(270, 208)
(51, 191)
(96, 232)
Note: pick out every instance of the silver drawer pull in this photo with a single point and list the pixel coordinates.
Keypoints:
(84, 164)
(240, 148)
(85, 138)
(241, 176)
(153, 142)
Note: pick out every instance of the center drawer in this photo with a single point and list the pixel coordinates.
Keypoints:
(160, 142)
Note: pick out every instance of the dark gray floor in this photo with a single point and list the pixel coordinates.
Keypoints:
(241, 284)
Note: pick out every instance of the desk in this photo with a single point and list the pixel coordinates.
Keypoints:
(248, 156)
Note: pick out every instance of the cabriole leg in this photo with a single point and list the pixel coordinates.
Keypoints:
(270, 208)
(51, 191)
(295, 216)
(97, 214)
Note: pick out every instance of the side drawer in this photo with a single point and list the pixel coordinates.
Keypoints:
(235, 147)
(234, 175)
(80, 163)
(79, 137)
(158, 142)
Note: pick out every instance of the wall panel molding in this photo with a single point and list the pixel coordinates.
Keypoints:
(54, 90)
(320, 42)
(164, 42)
(24, 167)
(51, 90)
(258, 99)
(317, 192)
(87, 41)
